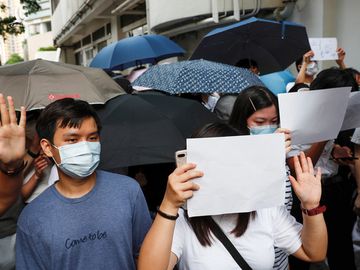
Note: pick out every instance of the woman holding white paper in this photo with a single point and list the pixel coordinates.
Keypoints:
(175, 238)
(256, 111)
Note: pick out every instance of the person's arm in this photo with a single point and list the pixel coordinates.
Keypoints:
(308, 189)
(12, 151)
(301, 77)
(40, 164)
(341, 57)
(155, 251)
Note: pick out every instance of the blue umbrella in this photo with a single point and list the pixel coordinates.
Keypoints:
(134, 51)
(273, 45)
(197, 76)
(277, 81)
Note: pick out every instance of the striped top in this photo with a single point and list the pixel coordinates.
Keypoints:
(281, 257)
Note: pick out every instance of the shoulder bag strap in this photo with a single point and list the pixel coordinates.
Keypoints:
(218, 232)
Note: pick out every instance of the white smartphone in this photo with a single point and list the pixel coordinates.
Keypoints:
(180, 157)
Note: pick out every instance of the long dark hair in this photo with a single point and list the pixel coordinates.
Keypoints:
(202, 225)
(248, 102)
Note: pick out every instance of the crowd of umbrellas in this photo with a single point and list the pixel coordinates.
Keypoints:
(148, 128)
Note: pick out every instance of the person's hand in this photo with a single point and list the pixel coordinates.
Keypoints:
(307, 186)
(307, 57)
(287, 134)
(341, 56)
(12, 135)
(342, 155)
(179, 188)
(40, 164)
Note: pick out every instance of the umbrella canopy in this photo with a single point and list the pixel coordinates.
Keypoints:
(35, 84)
(277, 81)
(134, 51)
(273, 45)
(147, 129)
(197, 76)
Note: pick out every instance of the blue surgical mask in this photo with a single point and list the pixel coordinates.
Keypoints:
(267, 129)
(79, 160)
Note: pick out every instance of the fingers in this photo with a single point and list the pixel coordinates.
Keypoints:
(4, 111)
(294, 183)
(12, 114)
(22, 122)
(310, 165)
(298, 169)
(180, 170)
(318, 174)
(303, 162)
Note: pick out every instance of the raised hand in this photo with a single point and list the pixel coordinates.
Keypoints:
(341, 57)
(12, 135)
(307, 57)
(307, 186)
(179, 188)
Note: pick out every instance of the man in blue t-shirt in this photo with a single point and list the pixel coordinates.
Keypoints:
(88, 219)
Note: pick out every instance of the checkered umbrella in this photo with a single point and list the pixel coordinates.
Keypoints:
(197, 76)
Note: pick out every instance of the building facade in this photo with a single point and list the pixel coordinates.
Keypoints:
(38, 31)
(82, 27)
(13, 44)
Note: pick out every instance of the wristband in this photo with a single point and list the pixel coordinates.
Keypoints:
(314, 211)
(32, 154)
(166, 216)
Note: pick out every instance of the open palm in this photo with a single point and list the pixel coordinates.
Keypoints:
(12, 135)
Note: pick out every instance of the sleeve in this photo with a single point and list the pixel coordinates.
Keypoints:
(286, 230)
(179, 234)
(356, 136)
(141, 221)
(29, 252)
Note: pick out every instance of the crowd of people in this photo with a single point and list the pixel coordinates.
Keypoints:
(57, 211)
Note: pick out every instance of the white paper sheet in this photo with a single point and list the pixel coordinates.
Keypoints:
(324, 48)
(352, 115)
(313, 116)
(241, 173)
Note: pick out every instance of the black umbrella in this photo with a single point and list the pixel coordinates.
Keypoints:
(147, 129)
(273, 45)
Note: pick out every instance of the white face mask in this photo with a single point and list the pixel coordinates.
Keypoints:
(79, 160)
(312, 69)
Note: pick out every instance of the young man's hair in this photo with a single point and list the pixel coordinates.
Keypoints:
(249, 101)
(334, 77)
(67, 112)
(202, 226)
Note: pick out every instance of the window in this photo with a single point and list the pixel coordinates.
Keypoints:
(98, 33)
(101, 45)
(47, 26)
(79, 58)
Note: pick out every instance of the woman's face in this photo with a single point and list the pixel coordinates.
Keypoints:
(263, 117)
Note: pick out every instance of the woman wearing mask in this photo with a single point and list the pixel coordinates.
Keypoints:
(191, 242)
(256, 111)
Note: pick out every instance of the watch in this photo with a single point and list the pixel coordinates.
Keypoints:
(315, 211)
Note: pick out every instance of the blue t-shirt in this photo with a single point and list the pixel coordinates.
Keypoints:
(101, 230)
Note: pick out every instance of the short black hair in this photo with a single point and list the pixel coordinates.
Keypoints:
(298, 86)
(298, 62)
(249, 101)
(332, 78)
(67, 112)
(247, 63)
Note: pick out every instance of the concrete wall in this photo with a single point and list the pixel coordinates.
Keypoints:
(331, 18)
(37, 41)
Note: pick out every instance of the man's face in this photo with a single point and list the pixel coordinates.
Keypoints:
(88, 131)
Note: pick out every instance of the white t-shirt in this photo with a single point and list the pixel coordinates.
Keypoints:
(271, 227)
